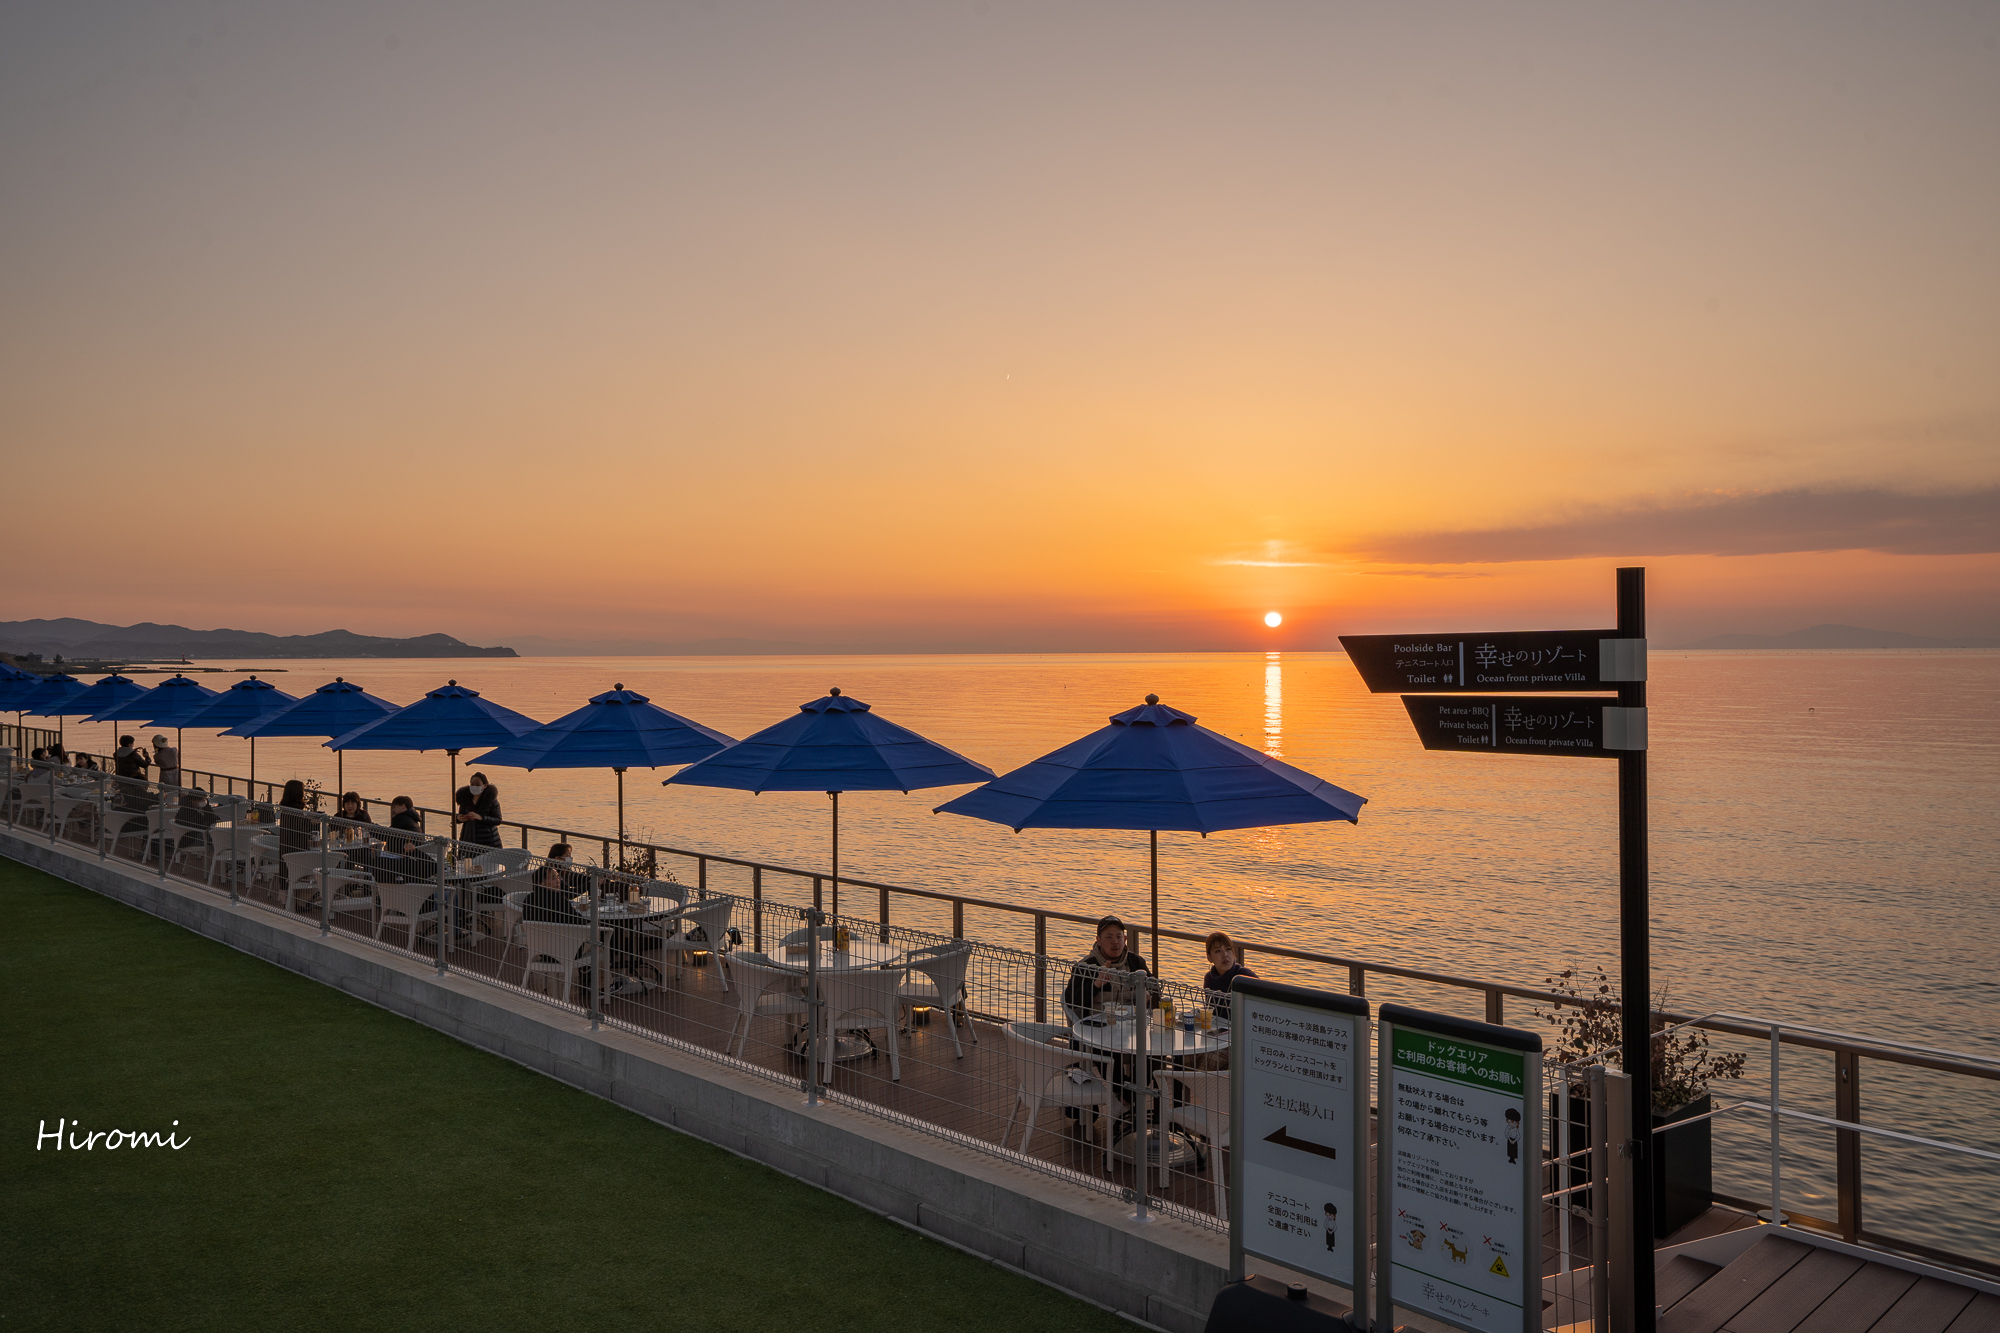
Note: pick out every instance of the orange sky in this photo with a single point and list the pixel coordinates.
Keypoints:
(999, 325)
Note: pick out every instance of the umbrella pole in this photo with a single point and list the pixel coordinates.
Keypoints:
(451, 796)
(1154, 834)
(836, 852)
(621, 813)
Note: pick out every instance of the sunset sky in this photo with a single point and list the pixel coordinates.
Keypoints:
(999, 325)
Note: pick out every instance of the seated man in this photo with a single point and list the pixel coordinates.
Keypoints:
(1224, 967)
(1100, 978)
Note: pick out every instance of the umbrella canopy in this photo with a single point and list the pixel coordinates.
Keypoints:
(245, 701)
(106, 694)
(16, 685)
(174, 700)
(1153, 768)
(834, 744)
(51, 697)
(451, 719)
(618, 729)
(334, 709)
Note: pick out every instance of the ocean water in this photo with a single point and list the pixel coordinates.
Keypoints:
(1825, 847)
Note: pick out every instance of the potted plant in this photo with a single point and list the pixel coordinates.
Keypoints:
(1587, 1018)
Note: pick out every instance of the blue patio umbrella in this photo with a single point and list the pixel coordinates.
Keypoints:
(449, 719)
(108, 693)
(618, 729)
(15, 687)
(51, 699)
(245, 701)
(1153, 768)
(834, 744)
(165, 705)
(334, 709)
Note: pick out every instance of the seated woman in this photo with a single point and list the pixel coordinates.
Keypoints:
(295, 829)
(549, 899)
(1223, 968)
(195, 816)
(478, 815)
(353, 809)
(408, 821)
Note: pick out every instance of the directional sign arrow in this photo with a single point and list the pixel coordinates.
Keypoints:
(1530, 661)
(1284, 1139)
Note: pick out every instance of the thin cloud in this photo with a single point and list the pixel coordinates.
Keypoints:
(1276, 555)
(1758, 523)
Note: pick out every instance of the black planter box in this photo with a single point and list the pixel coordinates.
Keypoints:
(1683, 1160)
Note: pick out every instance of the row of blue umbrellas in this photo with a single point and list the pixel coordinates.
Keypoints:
(1153, 768)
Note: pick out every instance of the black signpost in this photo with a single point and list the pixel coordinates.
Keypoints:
(1463, 692)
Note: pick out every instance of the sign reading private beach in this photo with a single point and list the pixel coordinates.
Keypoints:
(1458, 1227)
(1537, 661)
(1299, 1097)
(1509, 724)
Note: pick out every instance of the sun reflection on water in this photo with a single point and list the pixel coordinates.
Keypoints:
(1274, 706)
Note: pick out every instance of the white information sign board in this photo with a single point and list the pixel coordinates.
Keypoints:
(1459, 1204)
(1299, 1131)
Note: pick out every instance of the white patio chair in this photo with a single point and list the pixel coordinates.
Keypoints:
(763, 990)
(1206, 1113)
(227, 849)
(263, 856)
(352, 890)
(511, 907)
(73, 809)
(550, 949)
(1043, 1077)
(710, 921)
(943, 968)
(405, 903)
(302, 868)
(860, 999)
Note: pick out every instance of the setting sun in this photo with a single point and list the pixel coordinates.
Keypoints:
(1273, 619)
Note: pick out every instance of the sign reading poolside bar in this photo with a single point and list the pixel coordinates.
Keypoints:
(1550, 661)
(1458, 1226)
(1299, 1132)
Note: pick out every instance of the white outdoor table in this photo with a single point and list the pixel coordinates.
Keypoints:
(1164, 1044)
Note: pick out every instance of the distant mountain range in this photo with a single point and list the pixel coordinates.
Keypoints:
(536, 645)
(87, 640)
(1839, 636)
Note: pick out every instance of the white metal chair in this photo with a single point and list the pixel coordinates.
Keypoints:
(227, 849)
(303, 868)
(860, 999)
(763, 990)
(1206, 1113)
(263, 856)
(1049, 1075)
(710, 922)
(71, 809)
(551, 949)
(405, 903)
(352, 891)
(943, 966)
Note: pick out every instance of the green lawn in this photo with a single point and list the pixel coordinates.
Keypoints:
(349, 1169)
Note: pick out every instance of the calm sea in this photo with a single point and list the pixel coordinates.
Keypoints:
(1825, 841)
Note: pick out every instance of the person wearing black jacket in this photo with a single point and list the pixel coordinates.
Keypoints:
(549, 900)
(478, 815)
(295, 829)
(130, 763)
(1223, 968)
(1099, 979)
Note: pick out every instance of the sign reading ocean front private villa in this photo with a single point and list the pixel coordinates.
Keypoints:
(1458, 1213)
(1299, 1131)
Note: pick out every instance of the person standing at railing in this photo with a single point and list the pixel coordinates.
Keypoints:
(168, 760)
(129, 763)
(478, 815)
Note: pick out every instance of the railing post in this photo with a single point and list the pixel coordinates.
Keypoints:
(325, 888)
(1600, 1176)
(597, 955)
(1357, 980)
(103, 819)
(701, 875)
(814, 917)
(443, 851)
(161, 833)
(1041, 968)
(1847, 1142)
(817, 905)
(756, 908)
(958, 918)
(1142, 1144)
(1496, 1005)
(1777, 1218)
(1623, 1163)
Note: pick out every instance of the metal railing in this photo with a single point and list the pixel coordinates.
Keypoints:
(1024, 985)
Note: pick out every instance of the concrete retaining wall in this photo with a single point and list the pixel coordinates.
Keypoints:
(1165, 1272)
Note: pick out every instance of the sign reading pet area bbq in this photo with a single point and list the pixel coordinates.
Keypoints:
(1458, 1228)
(1299, 1130)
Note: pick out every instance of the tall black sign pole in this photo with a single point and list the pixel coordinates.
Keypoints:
(1636, 958)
